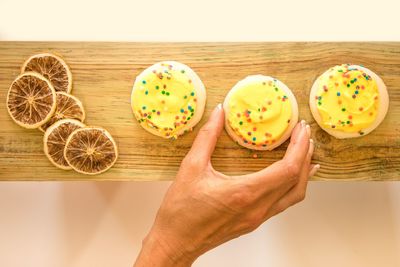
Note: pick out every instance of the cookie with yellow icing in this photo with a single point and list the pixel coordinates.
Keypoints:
(168, 99)
(349, 101)
(260, 112)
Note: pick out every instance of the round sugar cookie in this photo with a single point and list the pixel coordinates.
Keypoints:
(348, 101)
(260, 112)
(168, 99)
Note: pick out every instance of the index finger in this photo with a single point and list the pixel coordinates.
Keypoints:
(204, 144)
(298, 146)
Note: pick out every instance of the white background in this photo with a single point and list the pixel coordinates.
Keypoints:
(102, 223)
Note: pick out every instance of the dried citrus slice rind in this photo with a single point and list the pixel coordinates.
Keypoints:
(53, 68)
(31, 100)
(55, 138)
(91, 150)
(67, 107)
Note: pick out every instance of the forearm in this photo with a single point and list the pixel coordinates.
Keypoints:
(157, 253)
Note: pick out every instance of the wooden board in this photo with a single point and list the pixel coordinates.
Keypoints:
(104, 73)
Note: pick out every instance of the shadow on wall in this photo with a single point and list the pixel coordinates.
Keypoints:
(80, 224)
(119, 213)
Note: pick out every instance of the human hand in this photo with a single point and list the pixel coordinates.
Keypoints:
(204, 208)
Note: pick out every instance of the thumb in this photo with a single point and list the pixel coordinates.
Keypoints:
(204, 144)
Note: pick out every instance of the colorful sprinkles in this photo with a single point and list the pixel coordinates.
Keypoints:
(259, 112)
(156, 96)
(353, 105)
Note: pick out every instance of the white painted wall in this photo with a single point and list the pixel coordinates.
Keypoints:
(84, 224)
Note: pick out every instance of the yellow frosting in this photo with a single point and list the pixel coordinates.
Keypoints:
(164, 99)
(347, 99)
(259, 112)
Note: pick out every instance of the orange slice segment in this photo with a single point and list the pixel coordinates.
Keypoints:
(53, 68)
(67, 107)
(55, 138)
(31, 100)
(91, 150)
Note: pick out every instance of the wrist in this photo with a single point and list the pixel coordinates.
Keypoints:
(156, 251)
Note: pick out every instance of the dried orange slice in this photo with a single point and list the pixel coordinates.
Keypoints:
(55, 138)
(90, 150)
(67, 107)
(31, 100)
(53, 68)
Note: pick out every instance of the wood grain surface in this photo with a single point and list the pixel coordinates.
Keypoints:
(103, 75)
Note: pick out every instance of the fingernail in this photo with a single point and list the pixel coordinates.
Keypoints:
(303, 123)
(314, 170)
(311, 148)
(216, 109)
(308, 129)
